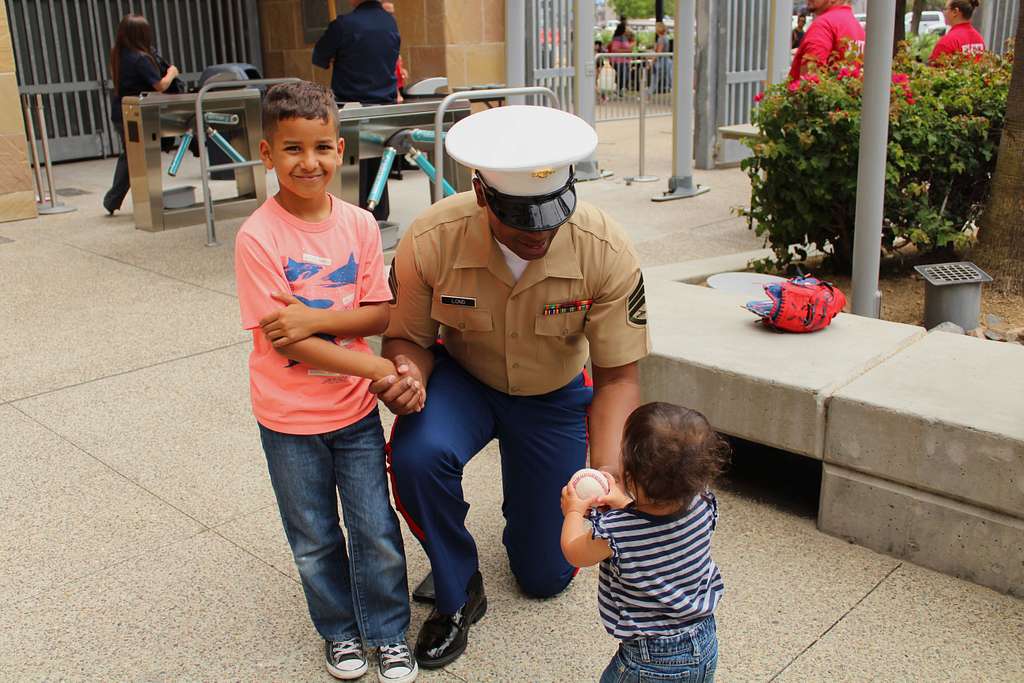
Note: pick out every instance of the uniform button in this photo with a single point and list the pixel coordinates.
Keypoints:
(462, 326)
(514, 335)
(515, 365)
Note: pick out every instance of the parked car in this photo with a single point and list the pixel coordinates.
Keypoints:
(931, 22)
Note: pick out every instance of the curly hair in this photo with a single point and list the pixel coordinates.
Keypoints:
(671, 453)
(298, 100)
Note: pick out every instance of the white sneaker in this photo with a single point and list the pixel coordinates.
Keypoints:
(395, 664)
(345, 659)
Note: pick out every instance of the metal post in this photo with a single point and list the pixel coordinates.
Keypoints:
(585, 97)
(515, 46)
(41, 115)
(436, 189)
(706, 110)
(680, 183)
(780, 31)
(31, 127)
(640, 177)
(55, 206)
(874, 135)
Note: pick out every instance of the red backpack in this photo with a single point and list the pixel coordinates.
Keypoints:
(800, 304)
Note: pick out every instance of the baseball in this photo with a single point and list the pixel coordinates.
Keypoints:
(589, 483)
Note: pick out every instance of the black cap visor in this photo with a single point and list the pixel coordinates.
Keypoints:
(532, 214)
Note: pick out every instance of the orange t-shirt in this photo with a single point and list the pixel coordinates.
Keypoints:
(335, 264)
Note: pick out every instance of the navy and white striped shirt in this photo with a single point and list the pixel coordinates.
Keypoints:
(660, 576)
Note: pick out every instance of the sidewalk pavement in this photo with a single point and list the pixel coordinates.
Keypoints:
(140, 539)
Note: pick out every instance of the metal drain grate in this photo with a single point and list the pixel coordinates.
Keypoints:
(71, 192)
(960, 273)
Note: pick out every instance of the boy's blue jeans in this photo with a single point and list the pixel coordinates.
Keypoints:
(361, 590)
(690, 656)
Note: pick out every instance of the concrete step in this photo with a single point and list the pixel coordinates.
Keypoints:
(922, 434)
(928, 529)
(944, 415)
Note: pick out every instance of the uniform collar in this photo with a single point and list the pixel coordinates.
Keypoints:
(479, 250)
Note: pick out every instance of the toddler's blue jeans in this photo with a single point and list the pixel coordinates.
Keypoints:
(690, 655)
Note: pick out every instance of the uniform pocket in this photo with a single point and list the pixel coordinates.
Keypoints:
(462, 319)
(561, 324)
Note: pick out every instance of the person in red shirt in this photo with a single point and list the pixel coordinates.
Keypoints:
(834, 29)
(961, 39)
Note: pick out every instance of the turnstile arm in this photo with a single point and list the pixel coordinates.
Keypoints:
(186, 140)
(420, 159)
(379, 182)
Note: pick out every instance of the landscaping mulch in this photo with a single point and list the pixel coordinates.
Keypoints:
(903, 299)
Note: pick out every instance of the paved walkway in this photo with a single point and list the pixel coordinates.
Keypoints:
(140, 539)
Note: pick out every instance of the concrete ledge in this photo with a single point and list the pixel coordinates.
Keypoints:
(951, 537)
(697, 271)
(944, 415)
(710, 354)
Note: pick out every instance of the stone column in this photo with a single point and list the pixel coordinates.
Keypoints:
(461, 39)
(474, 41)
(17, 196)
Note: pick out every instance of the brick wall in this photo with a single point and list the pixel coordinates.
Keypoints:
(461, 39)
(475, 47)
(285, 52)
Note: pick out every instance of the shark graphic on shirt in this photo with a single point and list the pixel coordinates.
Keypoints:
(297, 270)
(346, 275)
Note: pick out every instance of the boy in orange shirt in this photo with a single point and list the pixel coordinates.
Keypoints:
(311, 285)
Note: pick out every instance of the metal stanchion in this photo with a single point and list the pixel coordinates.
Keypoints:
(640, 177)
(31, 128)
(54, 206)
(680, 183)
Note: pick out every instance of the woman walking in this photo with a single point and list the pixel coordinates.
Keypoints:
(134, 69)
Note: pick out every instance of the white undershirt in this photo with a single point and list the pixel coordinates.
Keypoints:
(515, 264)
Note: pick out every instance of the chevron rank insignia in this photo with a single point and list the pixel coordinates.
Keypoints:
(636, 304)
(393, 281)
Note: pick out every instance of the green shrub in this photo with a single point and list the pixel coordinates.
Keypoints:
(944, 128)
(921, 46)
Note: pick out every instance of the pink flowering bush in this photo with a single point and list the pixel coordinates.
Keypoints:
(944, 129)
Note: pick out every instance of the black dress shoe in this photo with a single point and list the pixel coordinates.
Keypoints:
(443, 637)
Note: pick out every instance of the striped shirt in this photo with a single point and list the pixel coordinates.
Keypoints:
(660, 576)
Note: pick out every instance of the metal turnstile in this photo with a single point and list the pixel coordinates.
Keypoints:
(233, 114)
(369, 131)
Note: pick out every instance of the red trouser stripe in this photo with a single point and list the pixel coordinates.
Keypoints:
(413, 526)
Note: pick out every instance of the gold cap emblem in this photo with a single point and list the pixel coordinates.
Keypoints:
(542, 173)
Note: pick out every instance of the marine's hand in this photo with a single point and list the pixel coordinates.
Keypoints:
(405, 393)
(295, 322)
(573, 503)
(616, 498)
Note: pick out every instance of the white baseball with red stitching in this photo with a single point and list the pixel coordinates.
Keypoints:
(589, 483)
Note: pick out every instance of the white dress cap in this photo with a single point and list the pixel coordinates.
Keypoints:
(521, 150)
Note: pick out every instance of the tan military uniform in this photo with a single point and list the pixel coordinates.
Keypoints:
(584, 297)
